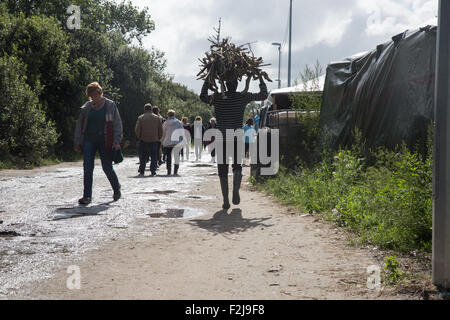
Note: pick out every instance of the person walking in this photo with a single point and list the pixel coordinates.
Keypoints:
(161, 158)
(169, 127)
(187, 142)
(249, 135)
(149, 132)
(98, 129)
(199, 131)
(212, 125)
(229, 111)
(256, 122)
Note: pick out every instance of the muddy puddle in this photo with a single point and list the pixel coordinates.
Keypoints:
(202, 166)
(170, 213)
(177, 214)
(163, 192)
(199, 197)
(9, 234)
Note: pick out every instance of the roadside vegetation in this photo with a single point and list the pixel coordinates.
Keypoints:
(383, 196)
(45, 68)
(387, 203)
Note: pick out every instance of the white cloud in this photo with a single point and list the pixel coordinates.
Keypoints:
(177, 26)
(333, 28)
(391, 17)
(323, 28)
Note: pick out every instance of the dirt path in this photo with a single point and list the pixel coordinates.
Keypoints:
(258, 250)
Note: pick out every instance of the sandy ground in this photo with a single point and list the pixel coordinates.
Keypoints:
(258, 250)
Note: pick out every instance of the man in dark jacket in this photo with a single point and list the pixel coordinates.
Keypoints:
(229, 112)
(149, 132)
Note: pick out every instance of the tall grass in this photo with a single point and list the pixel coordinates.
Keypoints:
(387, 203)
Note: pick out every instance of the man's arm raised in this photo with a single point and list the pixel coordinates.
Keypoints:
(261, 95)
(204, 94)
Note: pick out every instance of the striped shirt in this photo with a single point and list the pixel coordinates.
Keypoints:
(229, 110)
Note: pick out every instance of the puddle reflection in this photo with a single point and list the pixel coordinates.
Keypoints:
(177, 213)
(80, 211)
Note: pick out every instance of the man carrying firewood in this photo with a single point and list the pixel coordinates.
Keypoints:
(229, 110)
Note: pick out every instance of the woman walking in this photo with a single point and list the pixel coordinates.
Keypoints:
(199, 131)
(212, 125)
(161, 157)
(99, 128)
(169, 127)
(249, 134)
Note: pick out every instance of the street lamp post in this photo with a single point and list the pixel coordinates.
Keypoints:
(279, 62)
(290, 44)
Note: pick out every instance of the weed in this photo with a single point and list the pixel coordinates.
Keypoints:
(388, 203)
(392, 272)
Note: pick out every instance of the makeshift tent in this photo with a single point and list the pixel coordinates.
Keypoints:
(280, 97)
(311, 86)
(388, 93)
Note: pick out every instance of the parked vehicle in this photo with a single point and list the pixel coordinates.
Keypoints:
(277, 113)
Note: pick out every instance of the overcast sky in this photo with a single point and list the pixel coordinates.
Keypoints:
(324, 30)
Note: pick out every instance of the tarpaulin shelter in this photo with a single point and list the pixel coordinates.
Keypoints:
(280, 97)
(387, 93)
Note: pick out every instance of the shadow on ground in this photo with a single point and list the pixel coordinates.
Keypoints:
(233, 223)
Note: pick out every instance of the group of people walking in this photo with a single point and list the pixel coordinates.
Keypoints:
(155, 137)
(159, 143)
(99, 129)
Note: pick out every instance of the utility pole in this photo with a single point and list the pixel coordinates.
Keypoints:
(279, 62)
(290, 43)
(441, 168)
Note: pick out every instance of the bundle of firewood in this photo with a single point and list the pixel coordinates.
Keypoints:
(228, 62)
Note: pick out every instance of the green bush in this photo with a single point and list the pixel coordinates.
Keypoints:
(392, 205)
(57, 64)
(383, 196)
(25, 134)
(392, 271)
(388, 203)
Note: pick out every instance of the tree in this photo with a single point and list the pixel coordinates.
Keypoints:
(98, 15)
(62, 62)
(251, 110)
(309, 102)
(25, 134)
(58, 63)
(311, 97)
(132, 68)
